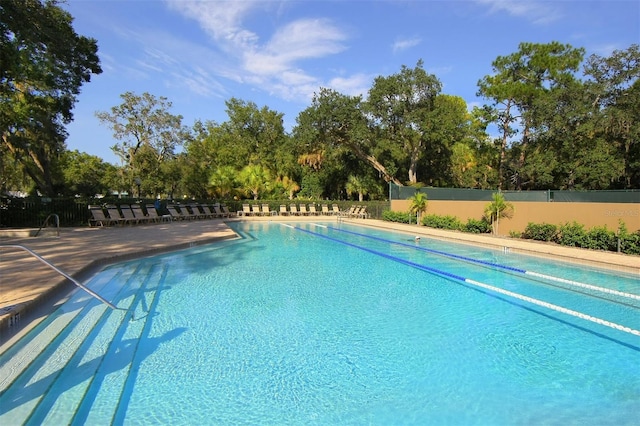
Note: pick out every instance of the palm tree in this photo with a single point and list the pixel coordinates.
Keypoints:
(356, 185)
(254, 179)
(223, 181)
(418, 204)
(498, 209)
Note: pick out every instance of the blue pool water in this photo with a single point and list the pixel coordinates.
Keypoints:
(308, 324)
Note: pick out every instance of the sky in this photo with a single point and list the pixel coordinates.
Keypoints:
(199, 54)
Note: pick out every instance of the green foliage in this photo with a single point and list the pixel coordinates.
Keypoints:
(572, 235)
(600, 238)
(499, 208)
(575, 235)
(540, 231)
(43, 64)
(442, 222)
(477, 226)
(630, 243)
(398, 217)
(418, 204)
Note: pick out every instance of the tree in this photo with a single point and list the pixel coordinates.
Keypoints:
(44, 63)
(254, 180)
(335, 121)
(401, 104)
(86, 174)
(519, 83)
(614, 91)
(223, 181)
(144, 124)
(356, 185)
(498, 209)
(418, 204)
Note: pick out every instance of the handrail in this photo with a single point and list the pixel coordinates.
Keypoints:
(77, 283)
(45, 223)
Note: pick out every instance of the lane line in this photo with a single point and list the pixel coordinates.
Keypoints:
(499, 266)
(528, 299)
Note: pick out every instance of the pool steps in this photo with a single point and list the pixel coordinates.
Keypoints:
(90, 339)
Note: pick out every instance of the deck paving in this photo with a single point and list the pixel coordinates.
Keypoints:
(26, 283)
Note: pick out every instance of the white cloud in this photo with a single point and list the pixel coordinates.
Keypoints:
(405, 44)
(273, 64)
(536, 11)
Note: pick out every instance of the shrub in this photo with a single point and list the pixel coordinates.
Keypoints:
(400, 217)
(442, 222)
(572, 235)
(600, 238)
(476, 226)
(540, 231)
(630, 243)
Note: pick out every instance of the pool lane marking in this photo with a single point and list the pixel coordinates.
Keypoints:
(531, 300)
(497, 265)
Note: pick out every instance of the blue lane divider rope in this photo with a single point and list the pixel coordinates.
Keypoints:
(477, 284)
(497, 265)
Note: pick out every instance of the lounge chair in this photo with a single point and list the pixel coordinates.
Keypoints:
(197, 212)
(355, 212)
(312, 210)
(335, 210)
(293, 210)
(219, 211)
(226, 211)
(325, 210)
(127, 213)
(266, 211)
(255, 210)
(349, 213)
(283, 210)
(363, 213)
(114, 214)
(303, 210)
(152, 213)
(98, 217)
(175, 214)
(246, 210)
(140, 215)
(210, 211)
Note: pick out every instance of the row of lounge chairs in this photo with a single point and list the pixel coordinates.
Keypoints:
(303, 210)
(134, 214)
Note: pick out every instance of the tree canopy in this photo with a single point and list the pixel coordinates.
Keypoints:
(545, 126)
(43, 64)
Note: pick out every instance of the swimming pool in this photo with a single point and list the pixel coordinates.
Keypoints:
(333, 324)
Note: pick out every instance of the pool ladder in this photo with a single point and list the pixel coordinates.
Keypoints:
(73, 280)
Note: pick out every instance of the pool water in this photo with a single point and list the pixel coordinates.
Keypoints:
(322, 324)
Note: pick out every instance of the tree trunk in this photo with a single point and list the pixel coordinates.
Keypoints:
(375, 163)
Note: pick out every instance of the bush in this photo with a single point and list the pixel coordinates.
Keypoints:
(572, 235)
(476, 226)
(442, 222)
(400, 217)
(600, 238)
(540, 231)
(630, 243)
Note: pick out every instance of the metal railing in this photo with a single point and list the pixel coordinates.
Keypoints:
(73, 280)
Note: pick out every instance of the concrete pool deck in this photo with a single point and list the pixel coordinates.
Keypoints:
(29, 289)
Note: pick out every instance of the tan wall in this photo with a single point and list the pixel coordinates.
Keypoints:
(587, 214)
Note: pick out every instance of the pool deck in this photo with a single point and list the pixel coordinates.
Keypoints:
(29, 289)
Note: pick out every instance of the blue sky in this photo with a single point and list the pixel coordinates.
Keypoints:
(198, 54)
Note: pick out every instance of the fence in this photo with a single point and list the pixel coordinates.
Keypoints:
(560, 196)
(31, 212)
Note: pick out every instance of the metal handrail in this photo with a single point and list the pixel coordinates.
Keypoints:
(77, 283)
(45, 223)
